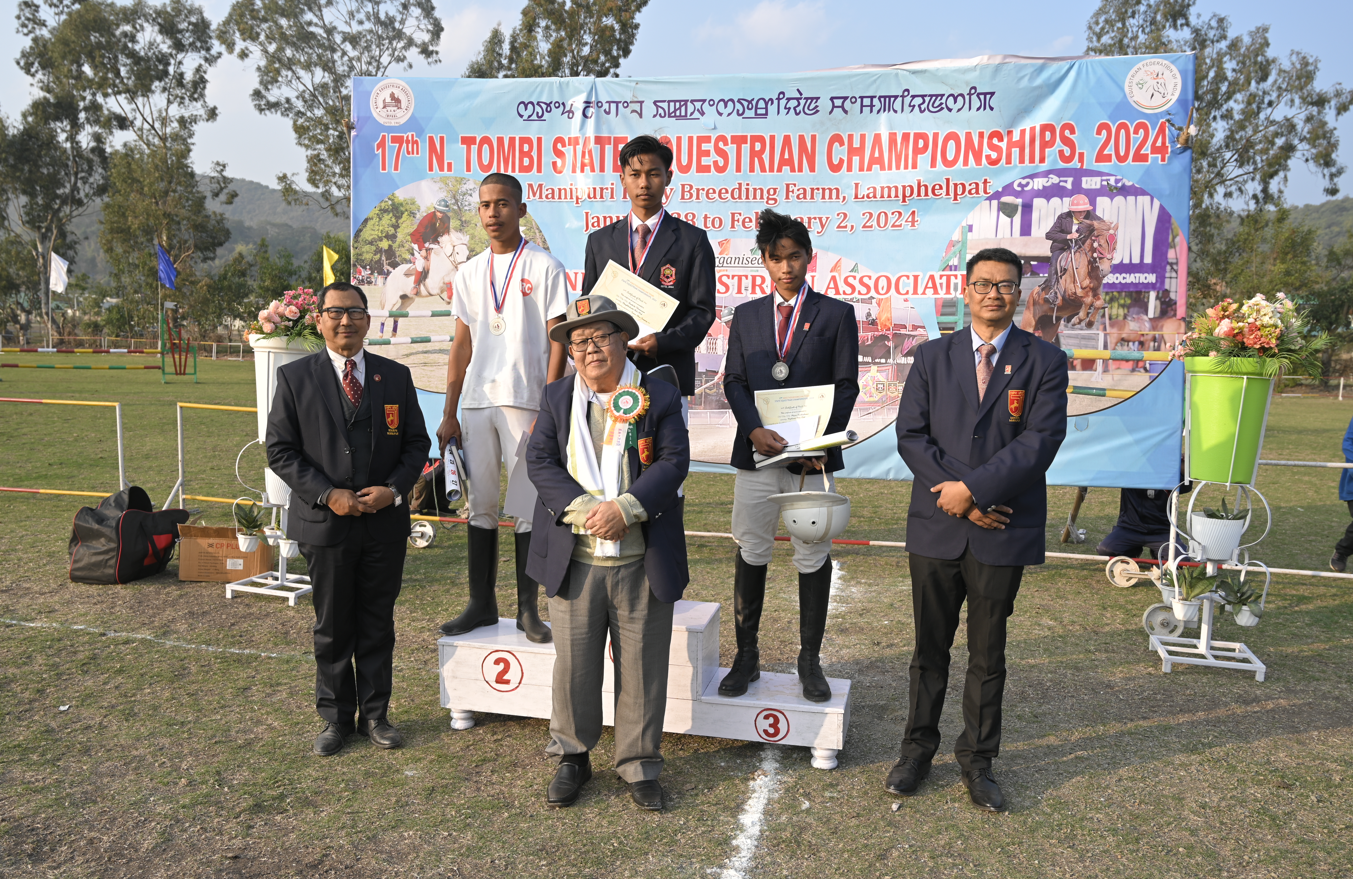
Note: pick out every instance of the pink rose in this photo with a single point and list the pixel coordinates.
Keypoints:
(1226, 329)
(268, 326)
(292, 312)
(263, 315)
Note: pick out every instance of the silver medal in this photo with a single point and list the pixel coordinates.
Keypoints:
(498, 326)
(780, 371)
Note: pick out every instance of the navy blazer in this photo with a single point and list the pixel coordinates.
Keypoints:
(680, 263)
(307, 445)
(824, 350)
(655, 487)
(1001, 449)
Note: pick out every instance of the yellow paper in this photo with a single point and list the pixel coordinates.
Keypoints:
(650, 307)
(792, 404)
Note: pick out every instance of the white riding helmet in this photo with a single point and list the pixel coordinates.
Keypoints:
(813, 516)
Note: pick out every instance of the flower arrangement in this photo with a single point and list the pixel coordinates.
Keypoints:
(294, 316)
(1275, 333)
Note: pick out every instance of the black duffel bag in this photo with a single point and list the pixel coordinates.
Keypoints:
(122, 539)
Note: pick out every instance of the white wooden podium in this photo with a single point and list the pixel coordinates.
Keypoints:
(495, 669)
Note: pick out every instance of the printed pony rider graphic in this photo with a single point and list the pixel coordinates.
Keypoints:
(1070, 226)
(428, 232)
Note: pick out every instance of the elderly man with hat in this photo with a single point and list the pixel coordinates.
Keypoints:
(607, 457)
(1069, 226)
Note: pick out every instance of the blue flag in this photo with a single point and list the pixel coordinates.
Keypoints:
(168, 274)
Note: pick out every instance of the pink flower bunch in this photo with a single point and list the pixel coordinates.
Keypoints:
(292, 316)
(1254, 326)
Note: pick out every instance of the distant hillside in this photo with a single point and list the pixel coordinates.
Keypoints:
(1333, 218)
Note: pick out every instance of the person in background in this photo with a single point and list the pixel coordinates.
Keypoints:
(1143, 523)
(1342, 549)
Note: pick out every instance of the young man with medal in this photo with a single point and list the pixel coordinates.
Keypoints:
(793, 338)
(505, 300)
(607, 457)
(664, 250)
(982, 415)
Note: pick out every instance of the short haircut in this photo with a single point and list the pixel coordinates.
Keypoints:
(645, 145)
(776, 226)
(997, 254)
(507, 180)
(342, 286)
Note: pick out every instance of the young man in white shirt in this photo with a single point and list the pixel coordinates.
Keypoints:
(505, 301)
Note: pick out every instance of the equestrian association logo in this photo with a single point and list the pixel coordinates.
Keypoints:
(668, 276)
(1154, 85)
(392, 418)
(1016, 404)
(526, 287)
(391, 102)
(646, 450)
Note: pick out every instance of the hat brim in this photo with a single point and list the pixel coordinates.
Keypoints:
(623, 322)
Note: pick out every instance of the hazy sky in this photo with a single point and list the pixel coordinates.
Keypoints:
(684, 37)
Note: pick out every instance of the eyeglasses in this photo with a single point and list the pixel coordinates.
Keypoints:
(1005, 288)
(337, 313)
(600, 341)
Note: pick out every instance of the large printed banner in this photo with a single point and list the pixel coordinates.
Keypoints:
(898, 172)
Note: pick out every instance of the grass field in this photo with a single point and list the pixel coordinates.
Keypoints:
(174, 760)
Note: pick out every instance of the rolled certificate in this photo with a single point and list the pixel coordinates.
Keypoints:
(457, 480)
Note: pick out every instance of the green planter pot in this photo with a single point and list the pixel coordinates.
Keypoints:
(1228, 408)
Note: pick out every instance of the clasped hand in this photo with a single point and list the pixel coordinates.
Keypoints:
(348, 503)
(606, 521)
(956, 500)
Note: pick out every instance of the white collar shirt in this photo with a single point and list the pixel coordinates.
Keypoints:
(977, 342)
(340, 364)
(652, 223)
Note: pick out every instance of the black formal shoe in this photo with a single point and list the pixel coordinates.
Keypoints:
(983, 790)
(330, 740)
(568, 782)
(381, 733)
(647, 794)
(906, 776)
(1338, 563)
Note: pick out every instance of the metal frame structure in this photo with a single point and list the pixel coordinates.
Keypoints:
(117, 410)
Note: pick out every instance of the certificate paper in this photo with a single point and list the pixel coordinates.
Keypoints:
(648, 305)
(794, 404)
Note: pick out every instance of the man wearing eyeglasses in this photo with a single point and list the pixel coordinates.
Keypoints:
(346, 435)
(982, 415)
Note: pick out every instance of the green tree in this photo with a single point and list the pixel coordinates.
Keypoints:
(1255, 115)
(1330, 304)
(561, 38)
(382, 241)
(307, 52)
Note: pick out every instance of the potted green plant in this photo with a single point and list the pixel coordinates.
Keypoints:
(1219, 530)
(1193, 583)
(1245, 604)
(286, 546)
(248, 523)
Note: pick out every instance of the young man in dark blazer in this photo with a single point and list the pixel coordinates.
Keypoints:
(607, 457)
(345, 433)
(664, 250)
(793, 338)
(982, 415)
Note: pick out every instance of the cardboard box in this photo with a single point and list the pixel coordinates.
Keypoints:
(213, 554)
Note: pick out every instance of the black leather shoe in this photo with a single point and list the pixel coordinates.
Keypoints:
(330, 740)
(906, 776)
(381, 733)
(983, 790)
(647, 794)
(568, 782)
(746, 668)
(1338, 563)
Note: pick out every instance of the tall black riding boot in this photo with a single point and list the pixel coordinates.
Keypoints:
(528, 614)
(814, 591)
(749, 592)
(483, 568)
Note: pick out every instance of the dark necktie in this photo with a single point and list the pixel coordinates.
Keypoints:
(641, 233)
(783, 330)
(353, 388)
(984, 368)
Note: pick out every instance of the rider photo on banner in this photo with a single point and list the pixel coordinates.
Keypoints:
(899, 172)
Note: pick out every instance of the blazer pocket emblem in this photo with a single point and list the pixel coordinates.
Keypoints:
(646, 450)
(392, 419)
(1016, 404)
(668, 276)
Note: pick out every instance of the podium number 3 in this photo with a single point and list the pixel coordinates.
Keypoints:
(502, 670)
(771, 724)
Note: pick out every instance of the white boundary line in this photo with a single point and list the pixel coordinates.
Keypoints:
(764, 788)
(167, 643)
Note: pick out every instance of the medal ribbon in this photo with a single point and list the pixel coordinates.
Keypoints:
(498, 301)
(652, 236)
(781, 350)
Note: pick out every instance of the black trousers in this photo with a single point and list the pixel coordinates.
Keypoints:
(1345, 546)
(355, 586)
(939, 588)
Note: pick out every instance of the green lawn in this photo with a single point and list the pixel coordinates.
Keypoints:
(172, 760)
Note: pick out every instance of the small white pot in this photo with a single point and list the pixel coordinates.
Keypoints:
(289, 548)
(1219, 537)
(272, 535)
(1246, 617)
(248, 542)
(1185, 610)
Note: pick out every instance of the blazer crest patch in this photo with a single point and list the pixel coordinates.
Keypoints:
(646, 450)
(668, 275)
(1015, 401)
(392, 418)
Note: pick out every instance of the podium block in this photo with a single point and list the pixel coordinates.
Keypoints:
(495, 669)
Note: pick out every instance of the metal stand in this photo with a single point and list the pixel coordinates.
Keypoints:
(1205, 651)
(279, 583)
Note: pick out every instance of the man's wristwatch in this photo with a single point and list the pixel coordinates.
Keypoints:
(399, 499)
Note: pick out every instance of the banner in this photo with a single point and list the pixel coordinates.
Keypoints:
(900, 173)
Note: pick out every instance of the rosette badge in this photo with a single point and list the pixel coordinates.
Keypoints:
(626, 407)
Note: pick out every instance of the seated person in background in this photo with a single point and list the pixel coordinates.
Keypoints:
(1143, 523)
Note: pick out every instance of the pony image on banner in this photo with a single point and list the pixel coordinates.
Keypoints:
(1075, 282)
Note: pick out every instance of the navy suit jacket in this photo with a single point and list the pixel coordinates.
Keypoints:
(685, 249)
(654, 485)
(824, 350)
(307, 445)
(1001, 448)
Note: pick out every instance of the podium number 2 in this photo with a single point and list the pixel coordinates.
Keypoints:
(771, 724)
(502, 670)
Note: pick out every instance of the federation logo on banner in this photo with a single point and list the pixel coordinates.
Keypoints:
(1154, 85)
(392, 102)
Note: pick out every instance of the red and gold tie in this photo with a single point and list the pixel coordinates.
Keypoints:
(353, 388)
(984, 368)
(783, 330)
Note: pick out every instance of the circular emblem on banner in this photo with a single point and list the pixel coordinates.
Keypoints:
(392, 102)
(771, 724)
(1154, 85)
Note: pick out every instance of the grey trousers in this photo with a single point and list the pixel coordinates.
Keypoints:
(593, 601)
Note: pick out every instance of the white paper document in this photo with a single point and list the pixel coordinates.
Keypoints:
(795, 432)
(797, 404)
(648, 305)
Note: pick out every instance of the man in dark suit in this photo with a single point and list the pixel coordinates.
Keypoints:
(982, 415)
(664, 250)
(345, 433)
(793, 338)
(607, 457)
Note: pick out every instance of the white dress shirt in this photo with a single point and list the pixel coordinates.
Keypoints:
(341, 364)
(978, 342)
(652, 224)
